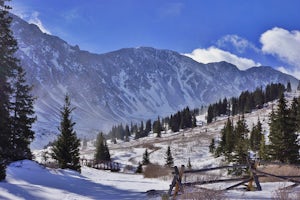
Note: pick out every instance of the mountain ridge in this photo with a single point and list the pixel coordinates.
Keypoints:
(128, 84)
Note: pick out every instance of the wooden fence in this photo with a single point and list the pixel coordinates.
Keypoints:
(103, 165)
(252, 178)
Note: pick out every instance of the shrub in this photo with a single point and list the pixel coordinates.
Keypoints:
(204, 194)
(156, 171)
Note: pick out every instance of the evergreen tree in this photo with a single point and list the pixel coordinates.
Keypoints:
(146, 160)
(148, 127)
(142, 127)
(288, 87)
(210, 114)
(194, 121)
(2, 169)
(186, 118)
(241, 148)
(230, 137)
(297, 115)
(262, 153)
(106, 152)
(127, 133)
(169, 158)
(283, 139)
(293, 111)
(139, 169)
(102, 151)
(255, 136)
(212, 146)
(8, 66)
(157, 127)
(22, 118)
(66, 147)
(227, 142)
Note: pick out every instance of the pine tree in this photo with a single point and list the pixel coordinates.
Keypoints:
(283, 139)
(146, 159)
(298, 87)
(148, 127)
(139, 169)
(255, 136)
(22, 119)
(288, 87)
(297, 119)
(262, 153)
(66, 147)
(157, 127)
(210, 114)
(241, 148)
(194, 121)
(127, 133)
(106, 152)
(8, 66)
(230, 137)
(227, 143)
(169, 158)
(212, 146)
(102, 151)
(2, 169)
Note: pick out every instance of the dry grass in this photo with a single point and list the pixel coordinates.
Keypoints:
(283, 170)
(156, 171)
(149, 146)
(286, 194)
(281, 194)
(203, 194)
(200, 177)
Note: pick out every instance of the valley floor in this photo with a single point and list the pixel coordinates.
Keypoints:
(28, 180)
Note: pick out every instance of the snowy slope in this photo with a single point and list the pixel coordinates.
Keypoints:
(130, 84)
(28, 180)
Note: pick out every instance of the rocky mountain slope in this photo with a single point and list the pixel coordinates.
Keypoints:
(125, 85)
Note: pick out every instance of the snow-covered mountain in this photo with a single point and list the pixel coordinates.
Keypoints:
(124, 85)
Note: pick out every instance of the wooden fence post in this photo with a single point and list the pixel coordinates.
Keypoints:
(254, 177)
(176, 182)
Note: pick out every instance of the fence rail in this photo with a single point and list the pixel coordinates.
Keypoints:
(252, 178)
(101, 165)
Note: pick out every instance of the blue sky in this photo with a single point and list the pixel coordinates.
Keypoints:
(246, 33)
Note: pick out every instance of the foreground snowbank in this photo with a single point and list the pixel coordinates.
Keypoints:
(29, 180)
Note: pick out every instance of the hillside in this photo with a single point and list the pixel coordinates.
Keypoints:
(27, 180)
(126, 85)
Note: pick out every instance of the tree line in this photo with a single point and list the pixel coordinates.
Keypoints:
(246, 101)
(180, 120)
(237, 140)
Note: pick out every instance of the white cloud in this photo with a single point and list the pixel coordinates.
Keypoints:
(282, 43)
(213, 54)
(34, 19)
(239, 43)
(294, 72)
